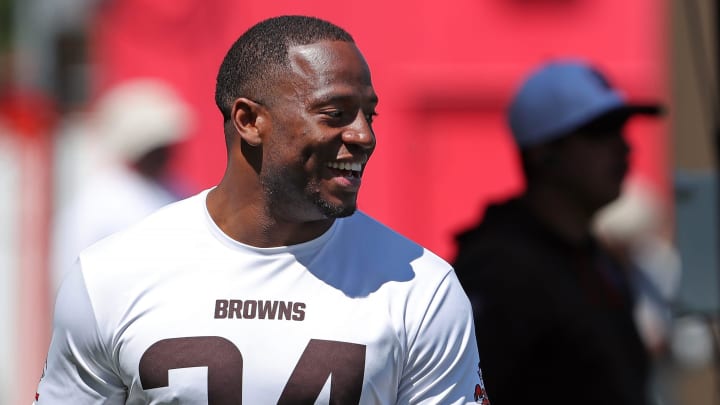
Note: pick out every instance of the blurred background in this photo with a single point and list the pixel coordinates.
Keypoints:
(444, 72)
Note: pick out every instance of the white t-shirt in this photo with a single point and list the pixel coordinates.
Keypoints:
(172, 310)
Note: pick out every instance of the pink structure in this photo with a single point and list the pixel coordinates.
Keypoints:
(444, 73)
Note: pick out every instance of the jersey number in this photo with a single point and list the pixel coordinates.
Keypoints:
(224, 362)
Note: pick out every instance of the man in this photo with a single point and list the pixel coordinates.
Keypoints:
(135, 126)
(553, 310)
(270, 287)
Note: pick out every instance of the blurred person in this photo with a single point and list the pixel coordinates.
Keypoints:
(270, 287)
(134, 127)
(635, 229)
(553, 309)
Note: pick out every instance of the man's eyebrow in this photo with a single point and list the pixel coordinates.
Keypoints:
(335, 97)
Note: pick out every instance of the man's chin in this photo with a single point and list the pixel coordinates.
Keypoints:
(607, 199)
(339, 212)
(346, 213)
(330, 210)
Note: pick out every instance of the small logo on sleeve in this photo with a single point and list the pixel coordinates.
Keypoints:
(37, 393)
(480, 394)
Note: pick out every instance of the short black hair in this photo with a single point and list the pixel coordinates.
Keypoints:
(262, 52)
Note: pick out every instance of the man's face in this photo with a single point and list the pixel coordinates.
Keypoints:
(321, 133)
(592, 165)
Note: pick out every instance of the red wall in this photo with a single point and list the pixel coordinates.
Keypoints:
(444, 72)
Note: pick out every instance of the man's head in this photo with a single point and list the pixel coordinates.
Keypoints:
(567, 121)
(139, 120)
(261, 54)
(298, 103)
(561, 97)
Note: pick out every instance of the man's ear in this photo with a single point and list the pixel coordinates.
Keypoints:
(249, 119)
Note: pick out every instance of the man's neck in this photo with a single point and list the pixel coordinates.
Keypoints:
(565, 215)
(249, 222)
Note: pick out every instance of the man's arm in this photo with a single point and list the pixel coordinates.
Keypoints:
(442, 367)
(78, 367)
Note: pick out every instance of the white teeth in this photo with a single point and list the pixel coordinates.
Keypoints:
(354, 166)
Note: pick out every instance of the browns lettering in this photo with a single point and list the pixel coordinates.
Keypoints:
(260, 309)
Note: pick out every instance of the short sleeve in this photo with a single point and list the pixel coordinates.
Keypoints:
(78, 368)
(443, 362)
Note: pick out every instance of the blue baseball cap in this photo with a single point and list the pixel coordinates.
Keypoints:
(562, 97)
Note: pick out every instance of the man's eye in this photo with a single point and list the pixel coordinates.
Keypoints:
(370, 117)
(334, 114)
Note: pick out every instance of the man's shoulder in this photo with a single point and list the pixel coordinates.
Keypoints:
(168, 225)
(382, 242)
(370, 229)
(507, 247)
(153, 247)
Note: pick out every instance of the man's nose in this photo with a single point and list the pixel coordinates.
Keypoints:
(360, 132)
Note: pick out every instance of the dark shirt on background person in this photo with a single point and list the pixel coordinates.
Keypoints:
(555, 317)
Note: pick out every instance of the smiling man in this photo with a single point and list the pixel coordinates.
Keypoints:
(270, 287)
